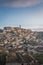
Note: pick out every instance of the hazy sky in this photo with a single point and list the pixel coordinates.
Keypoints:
(28, 13)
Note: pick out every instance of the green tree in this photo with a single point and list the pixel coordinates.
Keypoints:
(2, 58)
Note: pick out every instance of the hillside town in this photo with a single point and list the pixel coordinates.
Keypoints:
(21, 43)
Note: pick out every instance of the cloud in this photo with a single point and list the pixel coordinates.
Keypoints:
(20, 3)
